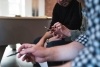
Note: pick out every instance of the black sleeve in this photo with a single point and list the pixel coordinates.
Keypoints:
(76, 21)
(55, 16)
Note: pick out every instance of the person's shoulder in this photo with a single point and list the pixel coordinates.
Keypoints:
(57, 4)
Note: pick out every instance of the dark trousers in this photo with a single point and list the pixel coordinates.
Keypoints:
(54, 43)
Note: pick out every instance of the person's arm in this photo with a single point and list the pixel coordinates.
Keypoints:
(44, 38)
(58, 53)
(63, 53)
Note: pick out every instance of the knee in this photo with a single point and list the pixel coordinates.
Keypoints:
(35, 41)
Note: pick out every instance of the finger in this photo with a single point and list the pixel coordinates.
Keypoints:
(58, 25)
(27, 58)
(57, 36)
(21, 47)
(24, 46)
(61, 36)
(54, 34)
(54, 26)
(24, 58)
(19, 55)
(28, 50)
(31, 57)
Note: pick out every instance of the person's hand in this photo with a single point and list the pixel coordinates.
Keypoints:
(61, 29)
(55, 33)
(48, 34)
(28, 56)
(54, 38)
(31, 53)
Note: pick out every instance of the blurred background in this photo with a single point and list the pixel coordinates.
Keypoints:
(26, 7)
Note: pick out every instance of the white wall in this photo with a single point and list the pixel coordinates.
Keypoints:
(4, 8)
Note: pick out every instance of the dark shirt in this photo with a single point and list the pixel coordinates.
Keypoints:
(70, 16)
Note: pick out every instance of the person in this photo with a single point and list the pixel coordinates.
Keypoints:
(65, 12)
(84, 54)
(68, 13)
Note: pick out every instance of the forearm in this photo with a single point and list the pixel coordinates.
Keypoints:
(44, 38)
(41, 42)
(63, 53)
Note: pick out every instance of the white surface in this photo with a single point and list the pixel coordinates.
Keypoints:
(14, 61)
(43, 64)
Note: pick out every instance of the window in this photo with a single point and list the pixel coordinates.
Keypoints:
(14, 7)
(22, 7)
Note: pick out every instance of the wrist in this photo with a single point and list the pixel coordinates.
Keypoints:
(68, 33)
(48, 54)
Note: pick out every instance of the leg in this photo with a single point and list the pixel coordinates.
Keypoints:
(37, 40)
(2, 49)
(58, 42)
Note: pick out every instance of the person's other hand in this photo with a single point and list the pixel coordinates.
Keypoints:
(55, 33)
(48, 34)
(27, 56)
(61, 29)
